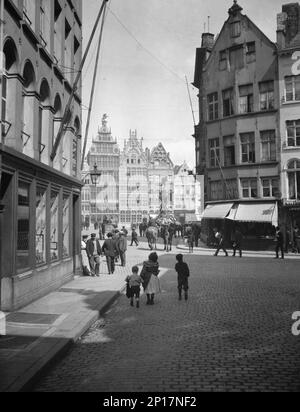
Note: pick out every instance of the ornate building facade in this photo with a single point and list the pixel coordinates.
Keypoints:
(104, 198)
(136, 183)
(161, 180)
(134, 175)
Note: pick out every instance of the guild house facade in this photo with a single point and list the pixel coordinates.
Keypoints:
(40, 194)
(139, 183)
(247, 144)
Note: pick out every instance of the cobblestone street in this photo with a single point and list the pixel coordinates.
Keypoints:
(234, 334)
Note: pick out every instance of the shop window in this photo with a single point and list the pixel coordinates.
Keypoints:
(23, 226)
(266, 95)
(54, 213)
(294, 180)
(66, 226)
(246, 99)
(268, 145)
(248, 147)
(40, 228)
(229, 150)
(292, 88)
(227, 102)
(213, 106)
(249, 188)
(270, 187)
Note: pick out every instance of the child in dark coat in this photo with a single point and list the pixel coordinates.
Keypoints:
(183, 275)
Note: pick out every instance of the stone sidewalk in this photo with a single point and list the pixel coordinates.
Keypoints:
(45, 330)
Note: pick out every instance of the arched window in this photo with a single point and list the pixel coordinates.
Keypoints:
(58, 114)
(44, 122)
(294, 179)
(9, 92)
(29, 83)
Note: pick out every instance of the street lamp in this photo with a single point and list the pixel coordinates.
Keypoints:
(95, 175)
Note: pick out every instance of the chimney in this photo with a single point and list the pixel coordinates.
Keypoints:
(292, 26)
(208, 41)
(281, 29)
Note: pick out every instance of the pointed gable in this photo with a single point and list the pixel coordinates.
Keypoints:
(160, 156)
(236, 32)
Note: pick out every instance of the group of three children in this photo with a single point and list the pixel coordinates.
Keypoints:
(134, 282)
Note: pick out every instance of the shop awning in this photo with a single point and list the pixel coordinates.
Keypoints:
(256, 212)
(219, 211)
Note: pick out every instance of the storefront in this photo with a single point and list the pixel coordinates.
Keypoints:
(256, 220)
(40, 229)
(214, 216)
(290, 217)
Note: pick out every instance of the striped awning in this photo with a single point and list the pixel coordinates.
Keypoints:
(217, 211)
(255, 212)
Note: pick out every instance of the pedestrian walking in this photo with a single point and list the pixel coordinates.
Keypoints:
(85, 263)
(109, 249)
(279, 243)
(122, 248)
(150, 279)
(134, 237)
(125, 231)
(93, 249)
(220, 242)
(134, 282)
(183, 272)
(237, 242)
(190, 241)
(296, 235)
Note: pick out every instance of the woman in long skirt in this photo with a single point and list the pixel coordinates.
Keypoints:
(150, 278)
(84, 258)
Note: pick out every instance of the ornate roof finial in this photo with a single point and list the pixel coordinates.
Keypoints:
(235, 9)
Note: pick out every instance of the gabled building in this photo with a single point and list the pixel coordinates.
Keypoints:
(161, 180)
(40, 226)
(288, 42)
(238, 139)
(188, 199)
(134, 194)
(105, 153)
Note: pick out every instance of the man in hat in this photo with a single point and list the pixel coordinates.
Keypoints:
(93, 250)
(109, 248)
(122, 248)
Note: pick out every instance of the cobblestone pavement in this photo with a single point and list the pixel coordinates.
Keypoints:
(234, 334)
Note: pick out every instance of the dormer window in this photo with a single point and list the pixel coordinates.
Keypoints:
(235, 29)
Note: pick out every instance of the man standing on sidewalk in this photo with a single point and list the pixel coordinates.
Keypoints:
(122, 248)
(93, 250)
(279, 243)
(109, 248)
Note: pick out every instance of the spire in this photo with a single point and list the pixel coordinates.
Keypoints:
(235, 9)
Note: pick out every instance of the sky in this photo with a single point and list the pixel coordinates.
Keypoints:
(148, 49)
